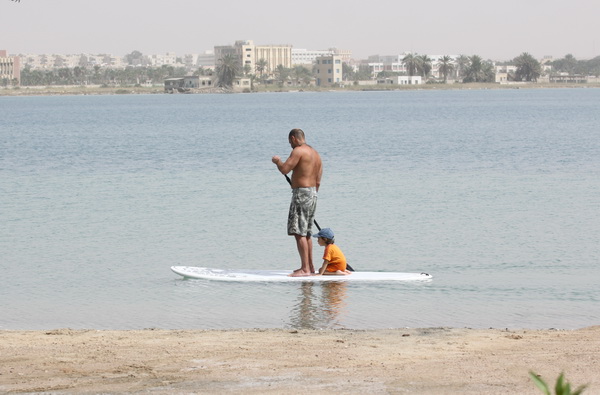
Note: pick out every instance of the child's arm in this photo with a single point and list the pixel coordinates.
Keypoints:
(323, 268)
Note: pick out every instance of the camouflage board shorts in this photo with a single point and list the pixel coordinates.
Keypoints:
(302, 211)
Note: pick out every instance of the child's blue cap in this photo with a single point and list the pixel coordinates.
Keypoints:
(326, 233)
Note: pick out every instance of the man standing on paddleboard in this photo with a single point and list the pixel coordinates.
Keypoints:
(307, 169)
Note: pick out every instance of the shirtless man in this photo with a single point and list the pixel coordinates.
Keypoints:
(307, 168)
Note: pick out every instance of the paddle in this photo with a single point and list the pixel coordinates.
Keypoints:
(317, 225)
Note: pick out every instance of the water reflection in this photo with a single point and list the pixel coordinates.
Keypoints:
(319, 305)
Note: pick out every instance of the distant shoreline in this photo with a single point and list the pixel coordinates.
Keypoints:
(129, 90)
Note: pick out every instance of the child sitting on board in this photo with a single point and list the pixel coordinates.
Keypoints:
(334, 261)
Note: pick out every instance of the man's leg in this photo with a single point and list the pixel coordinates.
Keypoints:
(310, 254)
(304, 244)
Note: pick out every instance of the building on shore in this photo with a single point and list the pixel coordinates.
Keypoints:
(200, 83)
(168, 59)
(564, 78)
(305, 57)
(344, 54)
(57, 61)
(267, 57)
(401, 80)
(505, 73)
(329, 70)
(205, 60)
(10, 69)
(188, 83)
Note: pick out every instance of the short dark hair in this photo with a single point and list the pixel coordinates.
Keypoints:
(297, 133)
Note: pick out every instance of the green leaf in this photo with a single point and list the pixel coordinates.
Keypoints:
(579, 390)
(539, 383)
(560, 388)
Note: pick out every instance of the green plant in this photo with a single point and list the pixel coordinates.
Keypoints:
(561, 388)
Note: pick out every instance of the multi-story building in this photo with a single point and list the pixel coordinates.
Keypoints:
(503, 73)
(395, 64)
(345, 54)
(10, 67)
(308, 57)
(392, 63)
(250, 55)
(205, 60)
(304, 57)
(329, 70)
(48, 62)
(169, 59)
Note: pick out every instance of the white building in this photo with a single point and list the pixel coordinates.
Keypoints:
(49, 62)
(401, 80)
(206, 59)
(395, 64)
(169, 59)
(250, 55)
(305, 57)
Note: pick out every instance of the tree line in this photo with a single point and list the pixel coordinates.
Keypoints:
(98, 75)
(464, 68)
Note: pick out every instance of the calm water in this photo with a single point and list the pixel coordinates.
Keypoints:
(496, 193)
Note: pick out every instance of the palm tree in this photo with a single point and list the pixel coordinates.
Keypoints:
(474, 72)
(261, 67)
(489, 75)
(462, 64)
(411, 62)
(227, 70)
(528, 68)
(301, 75)
(568, 64)
(282, 74)
(424, 66)
(446, 66)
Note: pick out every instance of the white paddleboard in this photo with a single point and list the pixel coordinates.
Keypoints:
(282, 275)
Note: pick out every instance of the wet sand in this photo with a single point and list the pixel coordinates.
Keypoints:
(419, 361)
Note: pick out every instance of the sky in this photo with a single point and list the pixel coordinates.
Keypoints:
(493, 30)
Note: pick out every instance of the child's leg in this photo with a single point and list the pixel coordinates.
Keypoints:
(336, 273)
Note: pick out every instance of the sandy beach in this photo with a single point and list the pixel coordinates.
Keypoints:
(419, 361)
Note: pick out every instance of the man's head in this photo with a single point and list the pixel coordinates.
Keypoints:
(296, 137)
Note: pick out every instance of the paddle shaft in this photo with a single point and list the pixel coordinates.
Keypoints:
(316, 224)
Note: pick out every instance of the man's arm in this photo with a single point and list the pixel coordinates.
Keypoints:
(289, 164)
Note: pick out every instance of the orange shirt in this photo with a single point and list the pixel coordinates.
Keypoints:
(335, 257)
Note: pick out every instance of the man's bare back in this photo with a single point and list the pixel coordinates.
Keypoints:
(305, 162)
(308, 170)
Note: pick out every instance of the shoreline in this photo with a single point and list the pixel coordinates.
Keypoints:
(258, 361)
(132, 90)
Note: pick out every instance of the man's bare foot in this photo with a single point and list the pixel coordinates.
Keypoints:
(299, 273)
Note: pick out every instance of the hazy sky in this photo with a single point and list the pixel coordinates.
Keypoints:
(493, 30)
